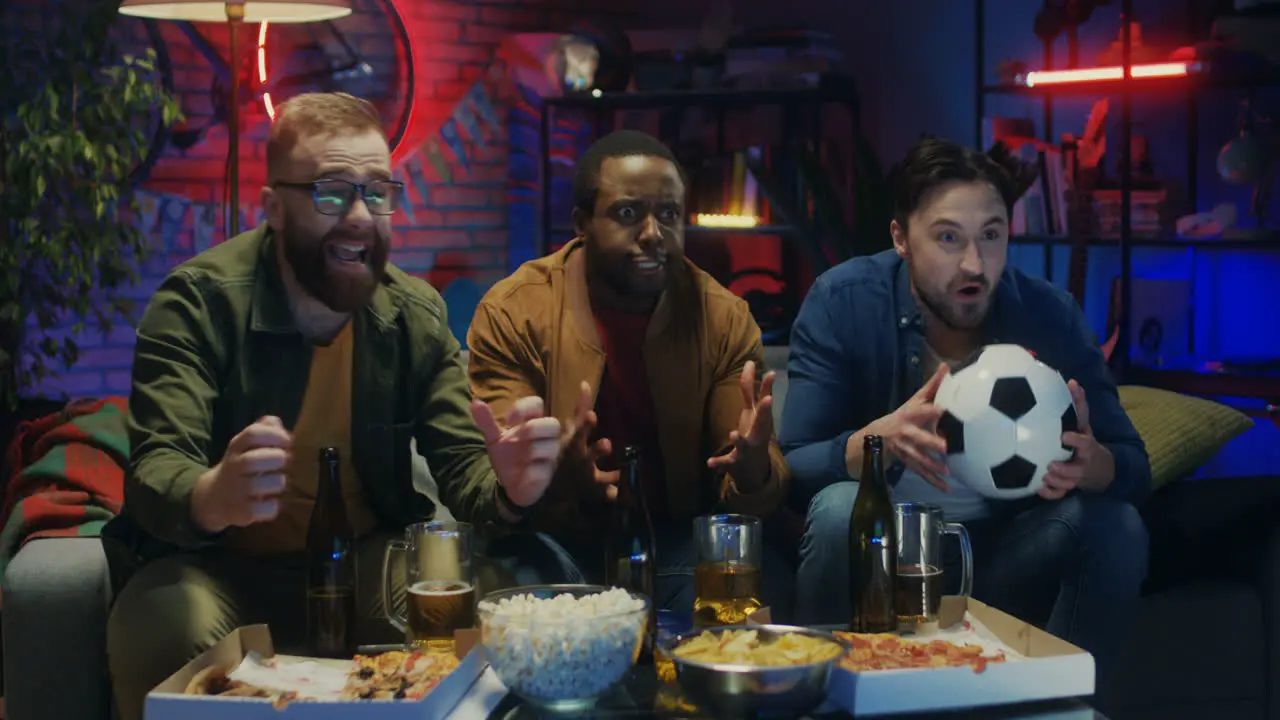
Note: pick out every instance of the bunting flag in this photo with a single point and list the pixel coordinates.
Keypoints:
(204, 225)
(436, 158)
(479, 97)
(449, 133)
(173, 215)
(406, 203)
(416, 174)
(466, 117)
(148, 211)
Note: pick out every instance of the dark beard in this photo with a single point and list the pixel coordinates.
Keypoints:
(946, 313)
(340, 293)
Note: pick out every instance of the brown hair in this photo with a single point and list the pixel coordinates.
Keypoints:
(313, 114)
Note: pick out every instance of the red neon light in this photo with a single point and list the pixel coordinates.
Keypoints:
(262, 70)
(403, 148)
(1151, 70)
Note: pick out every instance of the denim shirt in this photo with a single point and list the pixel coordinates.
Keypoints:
(858, 351)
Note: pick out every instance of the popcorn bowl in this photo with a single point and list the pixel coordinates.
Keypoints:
(562, 647)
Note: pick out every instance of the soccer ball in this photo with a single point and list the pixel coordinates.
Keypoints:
(1005, 413)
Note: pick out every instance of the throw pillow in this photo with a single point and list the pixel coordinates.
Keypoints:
(1181, 432)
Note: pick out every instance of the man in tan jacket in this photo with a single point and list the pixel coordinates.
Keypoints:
(631, 344)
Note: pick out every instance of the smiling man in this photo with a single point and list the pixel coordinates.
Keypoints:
(631, 344)
(872, 342)
(253, 356)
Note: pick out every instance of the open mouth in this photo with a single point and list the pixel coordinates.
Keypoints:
(348, 252)
(647, 264)
(972, 290)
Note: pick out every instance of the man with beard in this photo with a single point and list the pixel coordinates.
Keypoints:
(632, 345)
(872, 343)
(253, 356)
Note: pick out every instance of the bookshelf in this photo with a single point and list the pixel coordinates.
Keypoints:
(1207, 75)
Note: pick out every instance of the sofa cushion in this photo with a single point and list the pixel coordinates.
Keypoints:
(1181, 432)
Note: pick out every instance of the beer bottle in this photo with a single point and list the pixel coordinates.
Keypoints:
(331, 572)
(873, 546)
(631, 562)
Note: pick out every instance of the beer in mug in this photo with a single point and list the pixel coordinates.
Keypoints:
(726, 581)
(439, 592)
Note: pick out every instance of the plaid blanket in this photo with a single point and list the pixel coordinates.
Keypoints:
(63, 474)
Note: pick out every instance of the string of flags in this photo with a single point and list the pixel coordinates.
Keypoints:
(166, 214)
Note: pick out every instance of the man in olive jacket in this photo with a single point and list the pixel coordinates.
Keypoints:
(252, 357)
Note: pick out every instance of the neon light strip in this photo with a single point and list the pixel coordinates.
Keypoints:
(1152, 70)
(262, 70)
(727, 221)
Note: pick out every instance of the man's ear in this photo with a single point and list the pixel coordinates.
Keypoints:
(580, 220)
(899, 234)
(272, 208)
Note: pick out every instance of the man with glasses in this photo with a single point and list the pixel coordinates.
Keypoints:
(256, 354)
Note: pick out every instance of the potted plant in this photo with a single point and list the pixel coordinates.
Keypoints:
(82, 120)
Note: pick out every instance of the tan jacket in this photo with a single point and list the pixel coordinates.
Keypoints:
(534, 334)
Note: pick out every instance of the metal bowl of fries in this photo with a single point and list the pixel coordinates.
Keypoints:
(751, 671)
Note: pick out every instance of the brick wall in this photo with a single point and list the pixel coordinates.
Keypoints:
(456, 222)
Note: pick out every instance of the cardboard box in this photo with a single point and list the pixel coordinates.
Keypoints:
(167, 701)
(1051, 669)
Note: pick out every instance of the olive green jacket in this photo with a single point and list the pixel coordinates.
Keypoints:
(218, 348)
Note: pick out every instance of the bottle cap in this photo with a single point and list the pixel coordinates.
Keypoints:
(631, 452)
(328, 454)
(873, 442)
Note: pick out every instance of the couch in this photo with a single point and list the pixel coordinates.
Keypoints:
(1215, 574)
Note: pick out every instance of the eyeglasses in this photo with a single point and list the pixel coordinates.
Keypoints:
(334, 197)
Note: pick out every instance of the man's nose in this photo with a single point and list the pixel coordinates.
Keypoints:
(650, 232)
(358, 213)
(971, 262)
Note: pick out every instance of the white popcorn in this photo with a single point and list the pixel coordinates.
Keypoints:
(564, 647)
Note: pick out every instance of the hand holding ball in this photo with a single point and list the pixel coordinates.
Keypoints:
(1005, 413)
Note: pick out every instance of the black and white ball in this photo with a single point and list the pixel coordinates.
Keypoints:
(1005, 415)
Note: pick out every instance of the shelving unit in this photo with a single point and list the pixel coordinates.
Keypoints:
(1207, 76)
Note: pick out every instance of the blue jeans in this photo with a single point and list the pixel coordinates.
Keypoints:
(532, 559)
(1073, 566)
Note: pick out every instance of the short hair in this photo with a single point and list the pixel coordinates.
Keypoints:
(618, 144)
(933, 162)
(312, 114)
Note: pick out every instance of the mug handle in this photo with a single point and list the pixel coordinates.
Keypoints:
(400, 622)
(966, 556)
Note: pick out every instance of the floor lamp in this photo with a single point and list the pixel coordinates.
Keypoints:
(233, 13)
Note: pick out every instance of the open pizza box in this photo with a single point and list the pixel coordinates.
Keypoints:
(167, 701)
(1037, 666)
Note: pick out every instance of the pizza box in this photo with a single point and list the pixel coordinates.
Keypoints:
(167, 701)
(1040, 667)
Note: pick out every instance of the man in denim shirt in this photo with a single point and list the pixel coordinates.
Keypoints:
(868, 351)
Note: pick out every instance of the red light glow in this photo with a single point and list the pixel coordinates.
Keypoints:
(1084, 75)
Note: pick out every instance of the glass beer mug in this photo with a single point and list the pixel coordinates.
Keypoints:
(918, 594)
(726, 580)
(439, 593)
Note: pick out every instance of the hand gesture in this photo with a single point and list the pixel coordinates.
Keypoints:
(748, 460)
(524, 452)
(1091, 467)
(579, 455)
(910, 433)
(244, 488)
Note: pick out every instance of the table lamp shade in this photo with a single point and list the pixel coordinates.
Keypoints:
(255, 11)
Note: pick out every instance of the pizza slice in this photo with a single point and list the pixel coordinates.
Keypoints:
(886, 651)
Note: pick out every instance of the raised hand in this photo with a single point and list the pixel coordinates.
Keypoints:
(524, 451)
(910, 434)
(580, 456)
(748, 458)
(244, 488)
(1091, 467)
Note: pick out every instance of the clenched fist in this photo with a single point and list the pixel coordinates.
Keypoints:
(245, 487)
